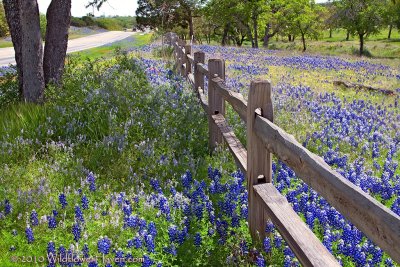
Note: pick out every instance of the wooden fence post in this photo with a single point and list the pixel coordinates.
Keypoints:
(259, 161)
(188, 51)
(216, 104)
(182, 57)
(199, 57)
(177, 55)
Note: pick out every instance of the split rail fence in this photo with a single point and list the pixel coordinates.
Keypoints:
(264, 138)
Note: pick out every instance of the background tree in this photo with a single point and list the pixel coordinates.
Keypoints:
(304, 18)
(391, 15)
(361, 18)
(3, 22)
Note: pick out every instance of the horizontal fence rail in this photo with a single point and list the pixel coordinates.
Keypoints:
(265, 138)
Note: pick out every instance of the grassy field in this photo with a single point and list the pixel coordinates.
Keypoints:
(108, 51)
(377, 45)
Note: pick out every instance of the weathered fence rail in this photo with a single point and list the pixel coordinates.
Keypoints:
(264, 138)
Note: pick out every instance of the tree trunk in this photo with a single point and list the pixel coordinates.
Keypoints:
(390, 31)
(250, 36)
(303, 39)
(32, 52)
(191, 28)
(361, 36)
(255, 29)
(290, 37)
(58, 22)
(267, 36)
(12, 9)
(225, 35)
(330, 32)
(348, 36)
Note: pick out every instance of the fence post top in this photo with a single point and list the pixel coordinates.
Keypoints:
(260, 81)
(216, 60)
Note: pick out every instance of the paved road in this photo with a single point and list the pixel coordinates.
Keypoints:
(7, 54)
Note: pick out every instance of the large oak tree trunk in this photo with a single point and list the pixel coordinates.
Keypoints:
(12, 9)
(32, 52)
(58, 21)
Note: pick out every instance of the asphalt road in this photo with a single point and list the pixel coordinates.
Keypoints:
(7, 54)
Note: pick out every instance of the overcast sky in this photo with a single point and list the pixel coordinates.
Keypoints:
(112, 8)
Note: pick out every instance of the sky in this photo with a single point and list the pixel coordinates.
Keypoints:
(113, 8)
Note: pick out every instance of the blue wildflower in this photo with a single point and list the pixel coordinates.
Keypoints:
(104, 245)
(52, 222)
(197, 239)
(29, 235)
(85, 202)
(63, 200)
(34, 218)
(79, 215)
(76, 231)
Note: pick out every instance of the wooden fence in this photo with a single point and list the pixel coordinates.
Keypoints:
(264, 138)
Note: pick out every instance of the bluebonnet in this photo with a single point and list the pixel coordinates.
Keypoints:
(34, 220)
(85, 251)
(78, 214)
(7, 207)
(267, 245)
(269, 227)
(187, 180)
(149, 240)
(260, 262)
(76, 231)
(104, 245)
(119, 258)
(29, 235)
(63, 200)
(92, 181)
(197, 239)
(137, 242)
(131, 221)
(152, 230)
(147, 262)
(85, 202)
(52, 222)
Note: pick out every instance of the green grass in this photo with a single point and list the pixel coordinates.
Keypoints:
(4, 43)
(378, 46)
(108, 50)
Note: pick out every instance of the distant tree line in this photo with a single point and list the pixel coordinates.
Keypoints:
(257, 21)
(117, 23)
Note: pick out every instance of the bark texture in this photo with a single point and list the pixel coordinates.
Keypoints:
(58, 21)
(12, 9)
(32, 52)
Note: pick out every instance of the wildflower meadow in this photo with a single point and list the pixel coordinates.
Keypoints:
(114, 169)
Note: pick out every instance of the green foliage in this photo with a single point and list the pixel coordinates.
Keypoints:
(108, 24)
(9, 93)
(43, 25)
(116, 23)
(3, 22)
